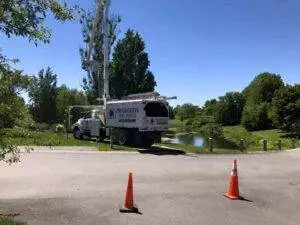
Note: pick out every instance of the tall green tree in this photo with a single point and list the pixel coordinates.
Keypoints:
(43, 93)
(24, 18)
(230, 108)
(67, 97)
(129, 70)
(93, 82)
(171, 113)
(12, 106)
(210, 107)
(263, 87)
(259, 95)
(255, 117)
(286, 108)
(187, 111)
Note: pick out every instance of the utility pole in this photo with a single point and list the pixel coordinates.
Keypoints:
(106, 44)
(102, 11)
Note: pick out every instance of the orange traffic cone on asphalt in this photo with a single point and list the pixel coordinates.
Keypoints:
(129, 205)
(233, 186)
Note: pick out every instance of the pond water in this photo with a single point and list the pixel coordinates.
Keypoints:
(188, 137)
(195, 140)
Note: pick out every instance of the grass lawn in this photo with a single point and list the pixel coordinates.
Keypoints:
(254, 140)
(11, 222)
(47, 138)
(176, 123)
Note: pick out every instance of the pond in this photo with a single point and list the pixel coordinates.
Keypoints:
(190, 137)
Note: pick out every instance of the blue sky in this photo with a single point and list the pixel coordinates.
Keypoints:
(198, 49)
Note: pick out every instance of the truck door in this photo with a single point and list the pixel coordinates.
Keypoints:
(95, 123)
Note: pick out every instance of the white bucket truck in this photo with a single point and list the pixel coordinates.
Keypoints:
(132, 121)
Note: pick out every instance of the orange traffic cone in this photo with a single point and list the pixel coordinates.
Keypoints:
(128, 205)
(233, 187)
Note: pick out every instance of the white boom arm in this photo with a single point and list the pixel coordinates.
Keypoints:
(106, 46)
(102, 10)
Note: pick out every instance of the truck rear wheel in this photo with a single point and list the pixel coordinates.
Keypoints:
(121, 137)
(148, 142)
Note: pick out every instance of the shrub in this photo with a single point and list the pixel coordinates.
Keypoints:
(197, 124)
(255, 117)
(16, 132)
(42, 126)
(189, 122)
(59, 129)
(212, 130)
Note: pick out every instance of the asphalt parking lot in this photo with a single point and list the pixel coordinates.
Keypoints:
(78, 187)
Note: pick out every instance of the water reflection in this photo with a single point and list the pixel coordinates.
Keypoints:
(195, 140)
(199, 140)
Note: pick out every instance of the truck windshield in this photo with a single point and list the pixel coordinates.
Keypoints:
(156, 109)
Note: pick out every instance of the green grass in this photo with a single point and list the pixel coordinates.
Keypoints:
(254, 140)
(11, 222)
(176, 123)
(23, 137)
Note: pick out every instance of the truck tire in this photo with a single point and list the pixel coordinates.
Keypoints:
(137, 139)
(101, 135)
(76, 133)
(121, 137)
(148, 142)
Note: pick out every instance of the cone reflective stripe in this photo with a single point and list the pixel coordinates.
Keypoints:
(234, 169)
(233, 186)
(128, 204)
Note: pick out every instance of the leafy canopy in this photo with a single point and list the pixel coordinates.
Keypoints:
(65, 98)
(26, 17)
(286, 108)
(129, 69)
(42, 93)
(93, 82)
(263, 87)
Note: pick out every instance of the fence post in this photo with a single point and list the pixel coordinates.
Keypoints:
(242, 145)
(293, 143)
(210, 144)
(279, 144)
(69, 122)
(111, 138)
(265, 143)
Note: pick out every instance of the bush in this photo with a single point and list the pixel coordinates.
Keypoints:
(255, 117)
(212, 130)
(189, 122)
(59, 129)
(16, 132)
(197, 124)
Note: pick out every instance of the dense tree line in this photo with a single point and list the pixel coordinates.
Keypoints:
(265, 103)
(49, 103)
(25, 19)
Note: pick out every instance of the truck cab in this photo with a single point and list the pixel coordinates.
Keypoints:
(92, 125)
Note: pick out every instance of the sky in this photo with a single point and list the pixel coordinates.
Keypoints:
(198, 49)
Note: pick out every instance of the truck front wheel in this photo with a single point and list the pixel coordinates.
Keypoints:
(76, 133)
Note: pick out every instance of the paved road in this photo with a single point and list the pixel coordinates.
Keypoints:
(87, 188)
